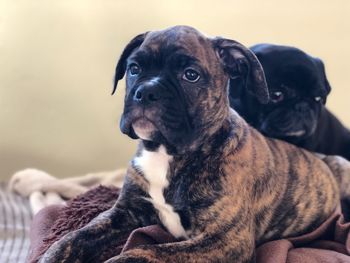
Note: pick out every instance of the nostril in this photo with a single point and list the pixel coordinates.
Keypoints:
(152, 97)
(146, 95)
(138, 95)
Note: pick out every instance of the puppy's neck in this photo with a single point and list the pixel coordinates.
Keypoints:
(228, 135)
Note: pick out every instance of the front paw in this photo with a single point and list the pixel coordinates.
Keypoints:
(64, 251)
(121, 259)
(134, 256)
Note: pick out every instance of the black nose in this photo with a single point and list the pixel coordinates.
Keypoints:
(146, 94)
(302, 107)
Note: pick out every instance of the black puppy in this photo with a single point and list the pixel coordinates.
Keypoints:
(298, 89)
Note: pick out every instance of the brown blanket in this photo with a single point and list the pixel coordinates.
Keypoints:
(328, 243)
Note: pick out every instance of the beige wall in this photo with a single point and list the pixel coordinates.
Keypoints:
(57, 60)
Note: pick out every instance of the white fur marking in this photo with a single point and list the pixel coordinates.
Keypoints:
(154, 166)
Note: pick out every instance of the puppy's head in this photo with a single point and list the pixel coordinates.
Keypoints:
(177, 85)
(298, 89)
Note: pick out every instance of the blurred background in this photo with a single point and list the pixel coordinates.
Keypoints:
(57, 61)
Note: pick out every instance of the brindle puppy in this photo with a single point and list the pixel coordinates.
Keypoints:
(212, 181)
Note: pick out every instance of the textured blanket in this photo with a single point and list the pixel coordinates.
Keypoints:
(328, 243)
(15, 219)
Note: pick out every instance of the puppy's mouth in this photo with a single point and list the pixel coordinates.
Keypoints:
(143, 128)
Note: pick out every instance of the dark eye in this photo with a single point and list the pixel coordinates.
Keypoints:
(134, 69)
(277, 96)
(318, 99)
(191, 75)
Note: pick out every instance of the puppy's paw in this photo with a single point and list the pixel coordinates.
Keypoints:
(131, 259)
(64, 250)
(27, 181)
(135, 256)
(122, 259)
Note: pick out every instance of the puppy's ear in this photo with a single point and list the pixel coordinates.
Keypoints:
(121, 65)
(239, 61)
(322, 72)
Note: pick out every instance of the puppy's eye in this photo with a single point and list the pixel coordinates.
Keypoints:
(191, 75)
(318, 99)
(134, 69)
(277, 96)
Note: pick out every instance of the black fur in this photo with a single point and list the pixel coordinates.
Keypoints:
(301, 78)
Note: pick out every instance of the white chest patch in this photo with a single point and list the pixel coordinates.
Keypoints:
(154, 166)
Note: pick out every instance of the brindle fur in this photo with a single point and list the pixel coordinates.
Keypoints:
(232, 187)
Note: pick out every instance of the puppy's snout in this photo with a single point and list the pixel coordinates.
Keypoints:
(302, 107)
(146, 94)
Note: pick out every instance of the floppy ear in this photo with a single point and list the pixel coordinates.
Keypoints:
(322, 71)
(121, 65)
(239, 61)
